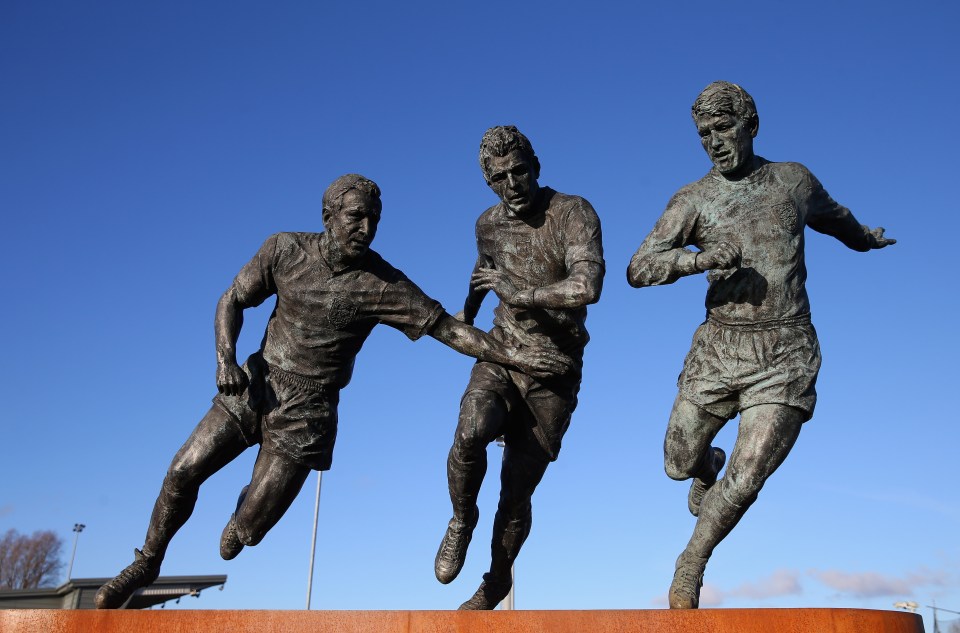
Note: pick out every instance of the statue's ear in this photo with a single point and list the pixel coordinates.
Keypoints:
(753, 125)
(536, 168)
(325, 217)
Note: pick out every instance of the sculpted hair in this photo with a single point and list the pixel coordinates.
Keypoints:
(723, 97)
(501, 140)
(333, 196)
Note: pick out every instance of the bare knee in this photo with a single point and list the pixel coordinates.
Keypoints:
(689, 433)
(679, 460)
(481, 416)
(183, 477)
(740, 492)
(745, 478)
(678, 471)
(767, 433)
(468, 445)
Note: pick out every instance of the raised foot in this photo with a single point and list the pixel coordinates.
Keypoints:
(687, 581)
(699, 487)
(492, 591)
(453, 547)
(140, 573)
(230, 544)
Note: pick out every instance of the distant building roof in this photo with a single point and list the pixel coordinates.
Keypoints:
(78, 593)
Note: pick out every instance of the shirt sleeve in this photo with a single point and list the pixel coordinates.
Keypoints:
(255, 282)
(824, 215)
(663, 257)
(582, 235)
(482, 232)
(405, 307)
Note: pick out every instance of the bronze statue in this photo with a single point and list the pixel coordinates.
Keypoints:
(540, 252)
(757, 353)
(331, 290)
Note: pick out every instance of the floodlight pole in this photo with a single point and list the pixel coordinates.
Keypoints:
(507, 603)
(935, 608)
(313, 540)
(77, 528)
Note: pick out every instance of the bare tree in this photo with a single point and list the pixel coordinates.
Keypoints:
(29, 561)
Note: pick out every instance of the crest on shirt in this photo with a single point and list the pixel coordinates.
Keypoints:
(523, 248)
(342, 311)
(786, 214)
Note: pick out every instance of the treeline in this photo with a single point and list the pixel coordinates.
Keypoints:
(30, 561)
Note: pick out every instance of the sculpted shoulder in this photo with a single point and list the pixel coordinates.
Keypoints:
(793, 175)
(489, 214)
(695, 187)
(295, 240)
(690, 193)
(566, 200)
(376, 265)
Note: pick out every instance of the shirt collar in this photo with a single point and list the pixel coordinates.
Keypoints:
(540, 205)
(332, 257)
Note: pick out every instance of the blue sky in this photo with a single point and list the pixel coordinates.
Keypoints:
(148, 149)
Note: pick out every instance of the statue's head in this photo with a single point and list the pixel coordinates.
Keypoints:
(727, 121)
(510, 167)
(351, 211)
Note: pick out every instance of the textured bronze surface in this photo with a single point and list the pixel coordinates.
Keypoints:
(757, 354)
(619, 621)
(331, 289)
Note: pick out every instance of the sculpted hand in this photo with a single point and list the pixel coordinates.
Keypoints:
(231, 379)
(541, 363)
(492, 279)
(879, 241)
(723, 255)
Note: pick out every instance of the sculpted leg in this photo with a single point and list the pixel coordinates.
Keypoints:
(522, 471)
(275, 483)
(767, 433)
(687, 452)
(482, 416)
(215, 442)
(520, 475)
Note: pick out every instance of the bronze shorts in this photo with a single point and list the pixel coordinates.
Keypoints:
(540, 410)
(287, 414)
(733, 367)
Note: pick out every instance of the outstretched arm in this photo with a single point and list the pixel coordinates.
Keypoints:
(581, 287)
(468, 340)
(828, 217)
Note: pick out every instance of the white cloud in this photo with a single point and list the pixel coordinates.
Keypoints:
(874, 584)
(711, 596)
(783, 582)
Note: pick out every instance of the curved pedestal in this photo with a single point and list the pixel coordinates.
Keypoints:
(614, 621)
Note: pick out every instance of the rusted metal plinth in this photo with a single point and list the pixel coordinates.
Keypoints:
(619, 621)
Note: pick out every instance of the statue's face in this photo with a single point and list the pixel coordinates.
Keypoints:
(513, 178)
(727, 140)
(355, 226)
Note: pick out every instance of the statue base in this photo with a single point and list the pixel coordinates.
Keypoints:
(601, 621)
